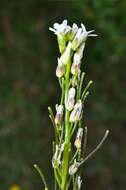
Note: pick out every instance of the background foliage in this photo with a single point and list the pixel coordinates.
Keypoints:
(28, 85)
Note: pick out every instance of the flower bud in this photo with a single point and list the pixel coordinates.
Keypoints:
(74, 30)
(70, 99)
(71, 34)
(56, 160)
(75, 68)
(59, 114)
(77, 112)
(74, 80)
(60, 69)
(74, 167)
(79, 137)
(80, 50)
(65, 57)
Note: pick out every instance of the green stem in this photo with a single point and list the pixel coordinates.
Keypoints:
(96, 149)
(66, 154)
(41, 175)
(68, 66)
(86, 88)
(65, 165)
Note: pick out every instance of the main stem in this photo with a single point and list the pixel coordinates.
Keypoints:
(67, 148)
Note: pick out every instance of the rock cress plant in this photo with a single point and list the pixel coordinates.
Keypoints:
(69, 145)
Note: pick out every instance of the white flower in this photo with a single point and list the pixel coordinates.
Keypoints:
(60, 29)
(75, 68)
(87, 33)
(77, 112)
(79, 137)
(81, 36)
(70, 99)
(74, 167)
(59, 114)
(79, 182)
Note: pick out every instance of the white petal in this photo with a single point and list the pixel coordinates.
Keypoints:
(83, 27)
(74, 26)
(56, 26)
(90, 31)
(67, 29)
(78, 33)
(65, 22)
(92, 35)
(52, 29)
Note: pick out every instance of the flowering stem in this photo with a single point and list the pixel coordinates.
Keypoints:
(67, 121)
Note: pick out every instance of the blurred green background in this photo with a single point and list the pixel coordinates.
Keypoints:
(28, 58)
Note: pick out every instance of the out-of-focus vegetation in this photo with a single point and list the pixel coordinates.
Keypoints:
(28, 85)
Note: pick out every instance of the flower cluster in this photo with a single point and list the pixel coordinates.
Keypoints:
(69, 154)
(71, 42)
